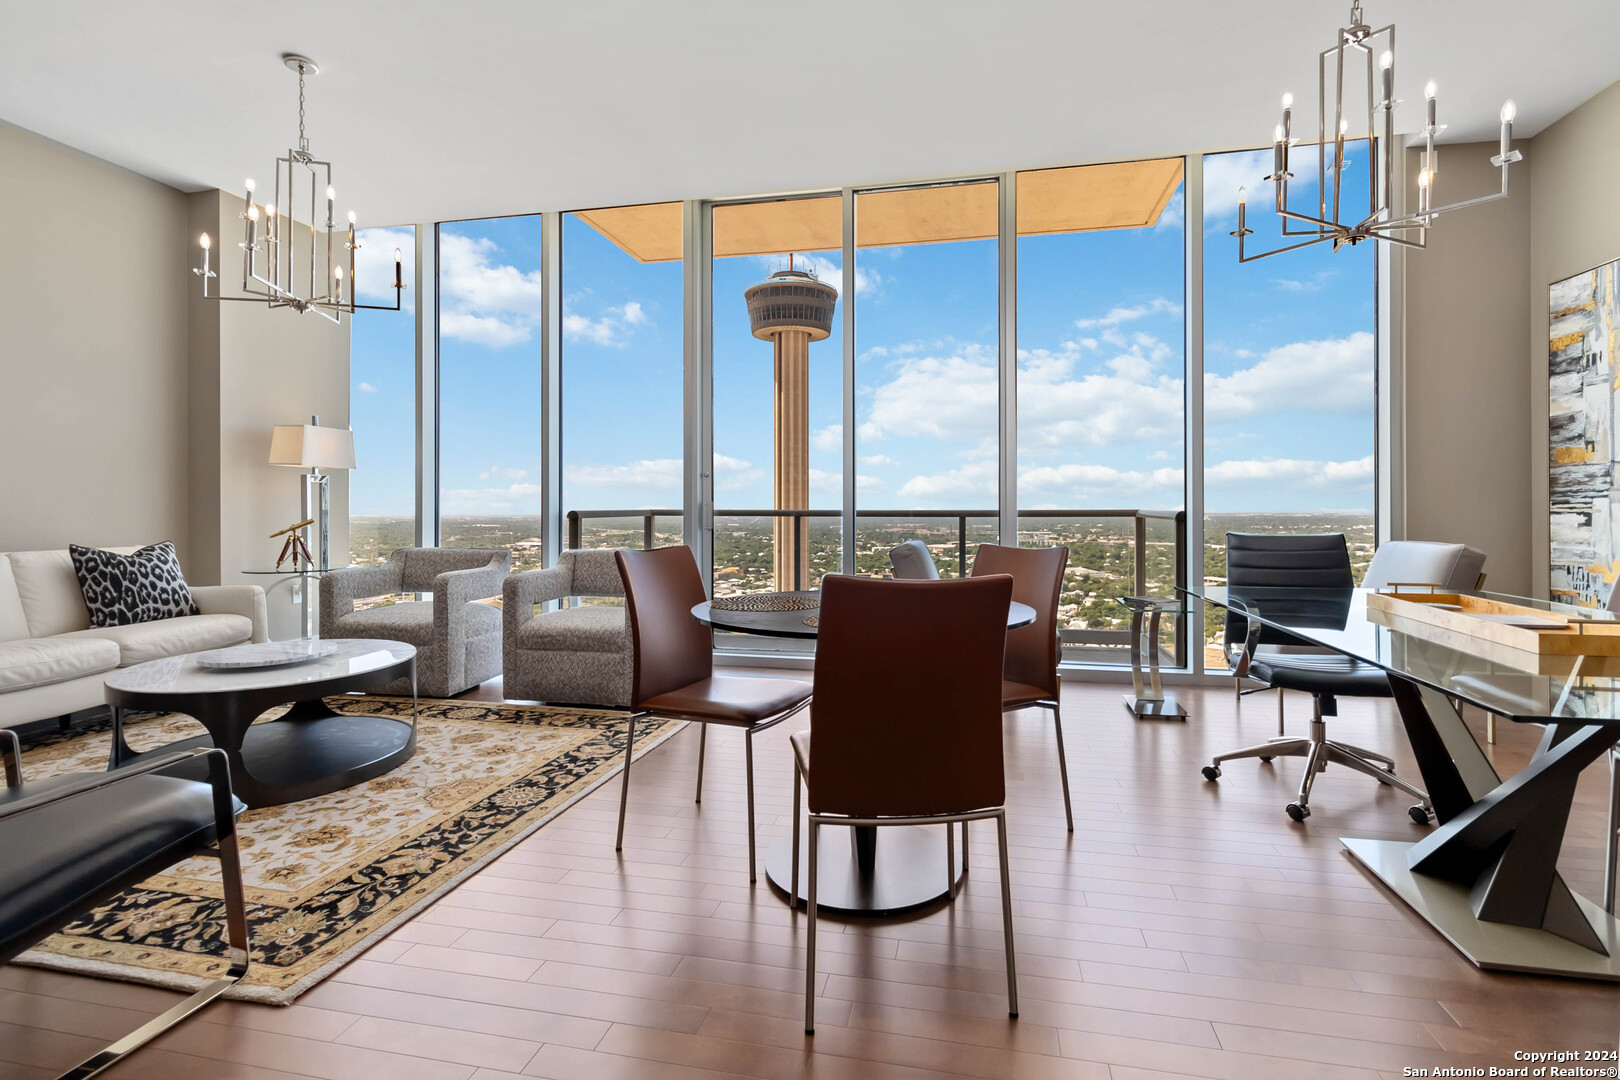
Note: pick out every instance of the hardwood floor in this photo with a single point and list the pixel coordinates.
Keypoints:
(1183, 929)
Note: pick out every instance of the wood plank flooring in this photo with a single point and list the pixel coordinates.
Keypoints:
(1183, 929)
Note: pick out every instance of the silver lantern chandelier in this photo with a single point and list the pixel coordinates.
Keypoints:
(1334, 221)
(283, 250)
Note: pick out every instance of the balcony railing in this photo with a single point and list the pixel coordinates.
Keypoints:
(1074, 637)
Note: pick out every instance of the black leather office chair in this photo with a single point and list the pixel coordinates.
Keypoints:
(69, 843)
(1319, 563)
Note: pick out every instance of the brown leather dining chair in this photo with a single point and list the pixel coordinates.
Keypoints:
(907, 726)
(1033, 651)
(673, 668)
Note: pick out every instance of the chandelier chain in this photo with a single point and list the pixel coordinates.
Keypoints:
(303, 142)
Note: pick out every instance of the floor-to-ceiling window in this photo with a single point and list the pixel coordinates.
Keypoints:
(382, 400)
(490, 302)
(1289, 371)
(1101, 365)
(1101, 304)
(622, 378)
(927, 325)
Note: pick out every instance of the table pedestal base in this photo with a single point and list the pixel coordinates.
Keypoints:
(308, 752)
(908, 869)
(1167, 707)
(1494, 946)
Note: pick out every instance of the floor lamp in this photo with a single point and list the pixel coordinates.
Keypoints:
(310, 446)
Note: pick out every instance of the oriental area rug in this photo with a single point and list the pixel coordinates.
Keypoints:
(328, 877)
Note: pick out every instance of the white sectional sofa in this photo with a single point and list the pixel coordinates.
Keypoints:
(53, 662)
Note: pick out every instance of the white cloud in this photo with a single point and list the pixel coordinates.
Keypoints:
(1157, 306)
(610, 327)
(829, 440)
(366, 388)
(877, 461)
(974, 482)
(1312, 284)
(1331, 375)
(948, 397)
(515, 498)
(1290, 472)
(484, 301)
(664, 474)
(491, 330)
(1038, 482)
(498, 472)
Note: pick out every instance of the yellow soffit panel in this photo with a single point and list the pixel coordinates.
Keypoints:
(1084, 198)
(647, 233)
(1088, 198)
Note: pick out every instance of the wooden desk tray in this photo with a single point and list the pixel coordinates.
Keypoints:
(1416, 612)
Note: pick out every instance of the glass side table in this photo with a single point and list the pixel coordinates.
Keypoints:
(1148, 698)
(307, 575)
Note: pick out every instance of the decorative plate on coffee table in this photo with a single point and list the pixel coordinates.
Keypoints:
(266, 654)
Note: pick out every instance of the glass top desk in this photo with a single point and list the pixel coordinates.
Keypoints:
(1487, 876)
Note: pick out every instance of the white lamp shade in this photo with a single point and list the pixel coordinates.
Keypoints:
(305, 446)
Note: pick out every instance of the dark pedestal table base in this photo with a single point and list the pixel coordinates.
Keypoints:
(908, 869)
(1487, 877)
(308, 752)
(1494, 946)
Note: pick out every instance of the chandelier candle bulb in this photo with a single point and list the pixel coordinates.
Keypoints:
(330, 197)
(1387, 63)
(399, 270)
(1508, 112)
(1287, 127)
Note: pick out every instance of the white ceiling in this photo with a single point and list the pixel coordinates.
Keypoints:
(436, 111)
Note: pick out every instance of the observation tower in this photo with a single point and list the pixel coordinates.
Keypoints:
(791, 309)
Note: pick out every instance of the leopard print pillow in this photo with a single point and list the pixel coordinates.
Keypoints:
(124, 589)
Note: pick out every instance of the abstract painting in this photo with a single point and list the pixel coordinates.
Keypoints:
(1584, 484)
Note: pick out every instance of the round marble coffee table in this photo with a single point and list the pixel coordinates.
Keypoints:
(310, 750)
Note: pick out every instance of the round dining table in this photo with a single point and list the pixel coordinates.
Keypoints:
(863, 870)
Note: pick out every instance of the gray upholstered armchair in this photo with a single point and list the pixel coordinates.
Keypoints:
(458, 642)
(579, 654)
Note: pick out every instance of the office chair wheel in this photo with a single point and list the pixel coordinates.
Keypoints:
(1298, 812)
(1267, 760)
(1420, 814)
(1212, 772)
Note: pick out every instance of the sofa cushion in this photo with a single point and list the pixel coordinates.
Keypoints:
(592, 628)
(49, 590)
(30, 662)
(13, 623)
(144, 586)
(141, 642)
(413, 622)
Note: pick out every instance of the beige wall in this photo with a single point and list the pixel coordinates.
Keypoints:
(1574, 226)
(1466, 304)
(136, 411)
(93, 362)
(260, 367)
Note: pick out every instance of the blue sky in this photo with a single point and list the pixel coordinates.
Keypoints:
(1288, 359)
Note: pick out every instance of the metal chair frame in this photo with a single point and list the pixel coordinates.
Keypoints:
(749, 731)
(230, 872)
(999, 813)
(1063, 764)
